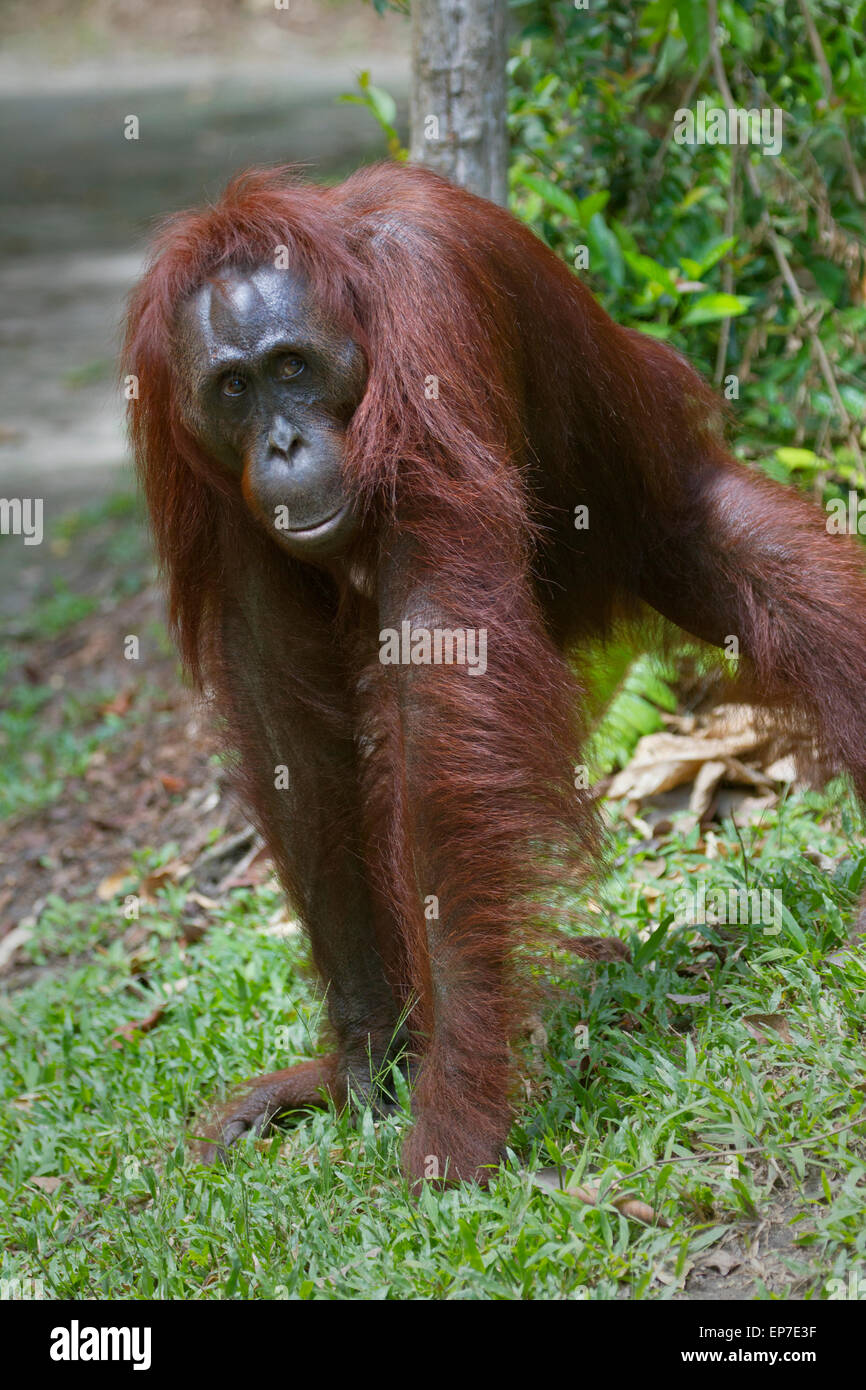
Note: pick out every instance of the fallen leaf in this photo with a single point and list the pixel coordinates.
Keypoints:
(625, 1202)
(720, 1260)
(738, 744)
(120, 703)
(192, 929)
(112, 886)
(201, 901)
(126, 1031)
(171, 873)
(632, 1207)
(12, 942)
(760, 1024)
(46, 1184)
(651, 868)
(173, 785)
(25, 1100)
(282, 926)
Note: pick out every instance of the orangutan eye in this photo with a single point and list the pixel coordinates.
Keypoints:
(233, 384)
(291, 366)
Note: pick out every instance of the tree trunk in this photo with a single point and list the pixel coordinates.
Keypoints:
(458, 99)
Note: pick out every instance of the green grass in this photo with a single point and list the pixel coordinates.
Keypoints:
(37, 759)
(649, 1080)
(40, 755)
(323, 1212)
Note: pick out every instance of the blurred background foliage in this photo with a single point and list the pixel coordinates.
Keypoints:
(753, 265)
(686, 242)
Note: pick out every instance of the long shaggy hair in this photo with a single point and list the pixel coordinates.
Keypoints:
(500, 397)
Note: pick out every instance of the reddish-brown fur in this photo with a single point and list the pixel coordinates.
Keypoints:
(544, 403)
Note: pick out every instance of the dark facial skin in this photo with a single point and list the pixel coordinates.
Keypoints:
(268, 386)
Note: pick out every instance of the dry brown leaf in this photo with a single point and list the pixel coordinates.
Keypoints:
(254, 869)
(193, 929)
(201, 900)
(759, 1025)
(632, 1207)
(170, 873)
(126, 1032)
(535, 1032)
(704, 789)
(720, 1260)
(25, 1100)
(737, 744)
(13, 941)
(625, 1202)
(173, 785)
(782, 769)
(282, 926)
(651, 868)
(112, 886)
(48, 1185)
(121, 702)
